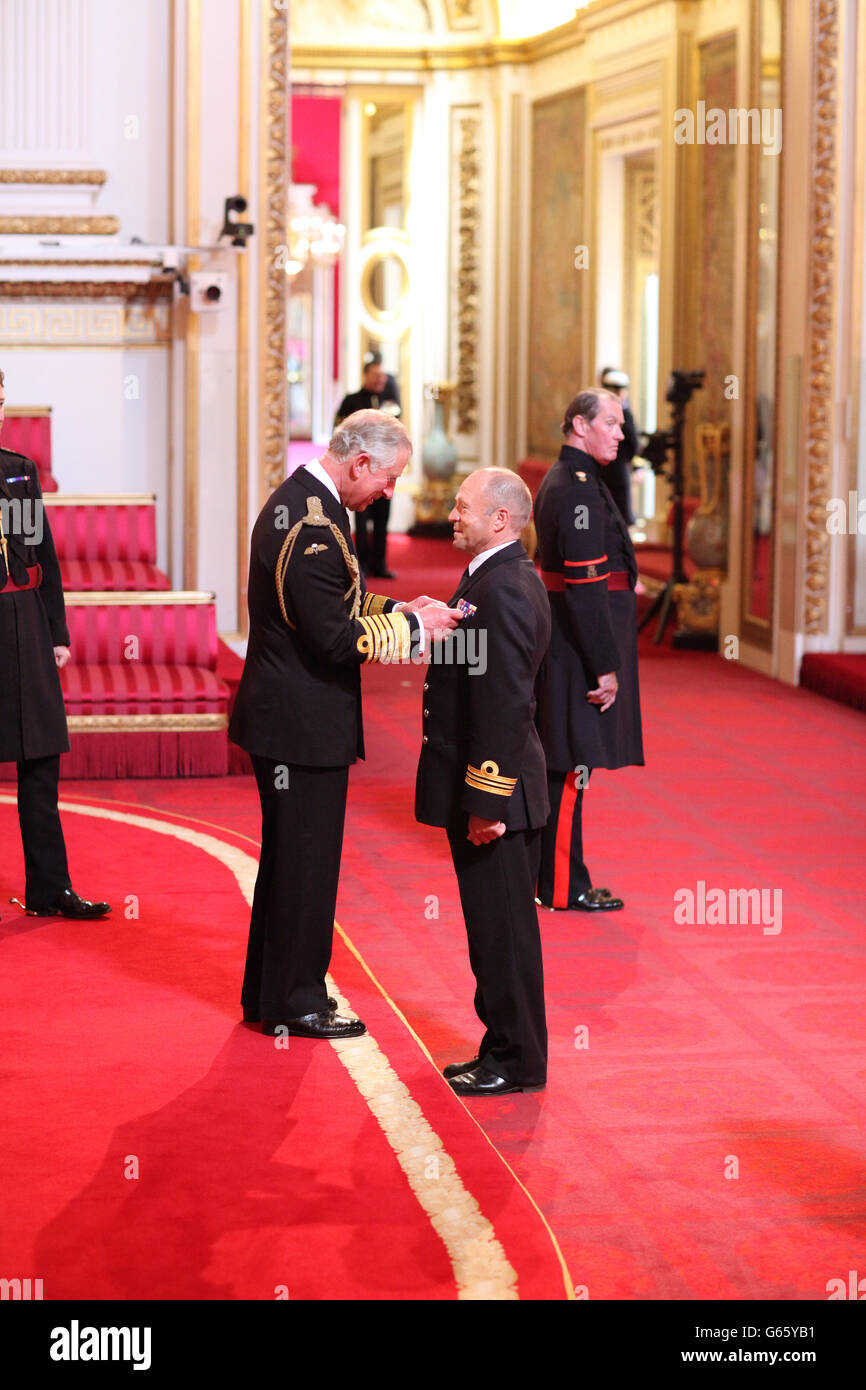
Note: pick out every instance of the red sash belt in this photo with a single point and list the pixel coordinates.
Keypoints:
(554, 580)
(34, 580)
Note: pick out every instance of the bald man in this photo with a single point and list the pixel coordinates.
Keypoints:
(482, 777)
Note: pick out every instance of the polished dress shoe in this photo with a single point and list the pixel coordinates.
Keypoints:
(481, 1082)
(598, 900)
(253, 1015)
(458, 1068)
(326, 1024)
(69, 904)
(593, 900)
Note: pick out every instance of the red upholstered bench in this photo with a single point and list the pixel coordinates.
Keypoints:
(27, 431)
(142, 694)
(106, 542)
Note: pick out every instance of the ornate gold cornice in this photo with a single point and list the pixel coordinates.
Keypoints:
(58, 226)
(275, 215)
(159, 287)
(90, 177)
(489, 53)
(821, 312)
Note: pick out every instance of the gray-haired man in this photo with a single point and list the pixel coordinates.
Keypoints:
(298, 709)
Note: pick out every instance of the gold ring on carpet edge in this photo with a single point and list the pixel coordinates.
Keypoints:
(569, 1286)
(477, 1258)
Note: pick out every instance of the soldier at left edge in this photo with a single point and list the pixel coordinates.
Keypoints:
(34, 646)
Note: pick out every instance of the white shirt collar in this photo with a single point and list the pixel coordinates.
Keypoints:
(486, 554)
(322, 475)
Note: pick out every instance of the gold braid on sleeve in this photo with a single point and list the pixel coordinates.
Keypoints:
(316, 517)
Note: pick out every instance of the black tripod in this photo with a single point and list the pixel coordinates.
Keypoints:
(656, 450)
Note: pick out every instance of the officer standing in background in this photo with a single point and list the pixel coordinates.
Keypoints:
(378, 392)
(34, 645)
(618, 472)
(589, 702)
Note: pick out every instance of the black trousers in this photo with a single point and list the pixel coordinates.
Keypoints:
(497, 893)
(371, 558)
(292, 922)
(563, 875)
(45, 865)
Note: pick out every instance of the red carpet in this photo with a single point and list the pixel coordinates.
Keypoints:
(701, 1133)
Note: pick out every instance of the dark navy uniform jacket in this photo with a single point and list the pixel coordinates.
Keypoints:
(32, 622)
(481, 753)
(299, 698)
(582, 540)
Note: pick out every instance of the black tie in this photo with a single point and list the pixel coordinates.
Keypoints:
(461, 587)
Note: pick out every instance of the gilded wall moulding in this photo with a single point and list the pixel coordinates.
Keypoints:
(59, 226)
(160, 287)
(139, 323)
(466, 282)
(90, 177)
(275, 210)
(821, 320)
(82, 261)
(61, 325)
(463, 14)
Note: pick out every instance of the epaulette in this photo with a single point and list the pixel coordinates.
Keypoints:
(316, 517)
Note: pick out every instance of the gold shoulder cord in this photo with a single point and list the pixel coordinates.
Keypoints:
(316, 517)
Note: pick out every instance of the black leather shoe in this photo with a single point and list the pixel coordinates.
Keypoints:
(253, 1015)
(383, 574)
(458, 1068)
(598, 900)
(69, 904)
(481, 1082)
(327, 1024)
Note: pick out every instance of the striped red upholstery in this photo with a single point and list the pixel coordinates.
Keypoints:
(105, 531)
(181, 634)
(136, 688)
(126, 575)
(30, 435)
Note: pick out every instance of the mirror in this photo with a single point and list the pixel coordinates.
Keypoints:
(383, 264)
(384, 286)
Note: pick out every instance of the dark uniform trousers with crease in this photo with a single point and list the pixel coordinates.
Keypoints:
(33, 731)
(481, 755)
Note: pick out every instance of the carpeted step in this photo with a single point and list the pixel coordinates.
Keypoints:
(143, 697)
(128, 576)
(840, 676)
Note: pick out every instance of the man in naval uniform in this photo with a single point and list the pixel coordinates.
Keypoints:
(588, 701)
(378, 392)
(34, 644)
(298, 709)
(481, 775)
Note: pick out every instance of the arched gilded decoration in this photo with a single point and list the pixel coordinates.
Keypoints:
(819, 423)
(275, 214)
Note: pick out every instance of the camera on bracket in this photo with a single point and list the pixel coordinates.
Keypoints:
(240, 232)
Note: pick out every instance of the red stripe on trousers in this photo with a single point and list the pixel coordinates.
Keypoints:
(562, 850)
